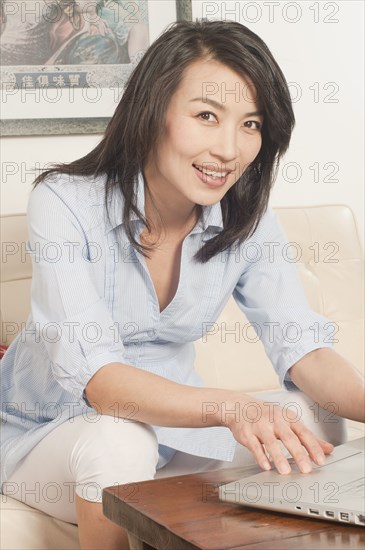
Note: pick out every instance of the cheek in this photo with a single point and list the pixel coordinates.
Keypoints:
(252, 149)
(183, 138)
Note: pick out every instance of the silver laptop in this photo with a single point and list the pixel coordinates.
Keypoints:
(333, 491)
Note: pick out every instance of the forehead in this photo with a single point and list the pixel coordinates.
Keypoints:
(212, 79)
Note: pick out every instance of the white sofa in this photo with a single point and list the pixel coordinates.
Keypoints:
(331, 270)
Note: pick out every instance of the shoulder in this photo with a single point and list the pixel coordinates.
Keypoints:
(81, 190)
(78, 194)
(65, 201)
(268, 225)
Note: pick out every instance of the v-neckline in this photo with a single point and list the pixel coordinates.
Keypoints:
(172, 303)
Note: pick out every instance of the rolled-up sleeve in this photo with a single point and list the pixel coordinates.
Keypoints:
(67, 305)
(270, 294)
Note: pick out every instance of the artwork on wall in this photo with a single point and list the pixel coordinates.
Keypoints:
(64, 63)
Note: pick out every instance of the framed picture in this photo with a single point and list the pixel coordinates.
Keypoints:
(65, 62)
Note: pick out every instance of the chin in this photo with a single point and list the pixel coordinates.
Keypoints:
(208, 203)
(207, 199)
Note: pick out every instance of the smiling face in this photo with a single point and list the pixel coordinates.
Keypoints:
(212, 133)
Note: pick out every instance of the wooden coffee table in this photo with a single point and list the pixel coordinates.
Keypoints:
(184, 513)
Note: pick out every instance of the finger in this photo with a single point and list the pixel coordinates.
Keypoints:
(295, 447)
(311, 443)
(257, 449)
(326, 446)
(273, 448)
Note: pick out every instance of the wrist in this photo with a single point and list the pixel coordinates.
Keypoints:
(232, 408)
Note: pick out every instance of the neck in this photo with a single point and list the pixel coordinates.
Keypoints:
(174, 219)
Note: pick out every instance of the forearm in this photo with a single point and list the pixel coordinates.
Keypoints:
(327, 377)
(126, 391)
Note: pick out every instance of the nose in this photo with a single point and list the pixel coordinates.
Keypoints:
(225, 145)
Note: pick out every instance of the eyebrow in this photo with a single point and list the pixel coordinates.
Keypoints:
(220, 106)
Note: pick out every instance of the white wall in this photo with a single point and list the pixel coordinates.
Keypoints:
(314, 42)
(319, 46)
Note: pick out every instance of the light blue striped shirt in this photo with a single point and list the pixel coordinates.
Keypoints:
(93, 302)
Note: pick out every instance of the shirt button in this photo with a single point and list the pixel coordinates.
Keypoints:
(151, 333)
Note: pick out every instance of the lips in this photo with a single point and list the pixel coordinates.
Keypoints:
(216, 180)
(212, 171)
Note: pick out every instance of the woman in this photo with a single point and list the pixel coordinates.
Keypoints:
(121, 293)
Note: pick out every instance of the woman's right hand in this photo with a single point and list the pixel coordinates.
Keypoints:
(258, 425)
(261, 426)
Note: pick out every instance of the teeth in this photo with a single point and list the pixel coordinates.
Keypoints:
(211, 173)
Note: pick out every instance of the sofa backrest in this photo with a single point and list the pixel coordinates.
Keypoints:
(330, 268)
(15, 276)
(331, 271)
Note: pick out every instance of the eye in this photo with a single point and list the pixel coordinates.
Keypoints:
(253, 124)
(205, 116)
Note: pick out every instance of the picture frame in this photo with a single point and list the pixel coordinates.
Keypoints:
(63, 98)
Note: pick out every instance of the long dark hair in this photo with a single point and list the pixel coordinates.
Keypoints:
(138, 123)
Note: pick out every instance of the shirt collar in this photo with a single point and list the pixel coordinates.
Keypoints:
(210, 220)
(116, 203)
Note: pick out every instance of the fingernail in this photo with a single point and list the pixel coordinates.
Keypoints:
(284, 468)
(320, 459)
(305, 467)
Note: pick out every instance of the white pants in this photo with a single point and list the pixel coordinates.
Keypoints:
(83, 457)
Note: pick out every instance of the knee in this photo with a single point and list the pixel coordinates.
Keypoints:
(131, 444)
(113, 451)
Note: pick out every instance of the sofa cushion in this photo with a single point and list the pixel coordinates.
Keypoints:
(29, 529)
